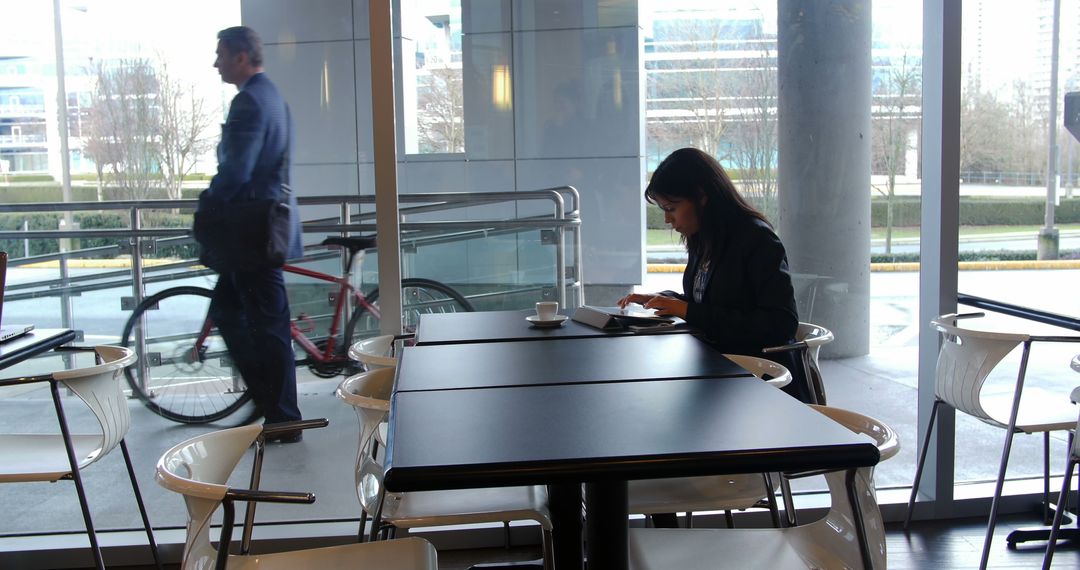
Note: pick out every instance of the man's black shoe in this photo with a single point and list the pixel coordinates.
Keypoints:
(291, 436)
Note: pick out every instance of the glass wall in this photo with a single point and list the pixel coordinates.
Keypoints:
(513, 97)
(1004, 188)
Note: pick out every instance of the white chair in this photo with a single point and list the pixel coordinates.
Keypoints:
(809, 338)
(369, 394)
(199, 469)
(772, 373)
(374, 352)
(826, 543)
(965, 360)
(51, 457)
(714, 492)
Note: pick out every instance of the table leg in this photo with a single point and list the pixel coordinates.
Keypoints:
(564, 500)
(606, 525)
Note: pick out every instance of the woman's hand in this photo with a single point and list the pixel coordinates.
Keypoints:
(639, 298)
(667, 306)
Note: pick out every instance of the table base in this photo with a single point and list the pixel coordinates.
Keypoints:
(606, 524)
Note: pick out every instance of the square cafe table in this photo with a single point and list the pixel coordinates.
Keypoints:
(605, 434)
(560, 361)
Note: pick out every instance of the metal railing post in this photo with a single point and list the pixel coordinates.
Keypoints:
(138, 291)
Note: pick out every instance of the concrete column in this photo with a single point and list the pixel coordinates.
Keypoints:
(824, 160)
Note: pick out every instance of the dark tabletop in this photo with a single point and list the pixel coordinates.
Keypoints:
(491, 326)
(613, 431)
(560, 361)
(33, 343)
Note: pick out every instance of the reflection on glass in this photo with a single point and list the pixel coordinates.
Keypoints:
(324, 87)
(501, 92)
(432, 78)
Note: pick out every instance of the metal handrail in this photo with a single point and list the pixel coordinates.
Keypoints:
(1022, 312)
(413, 234)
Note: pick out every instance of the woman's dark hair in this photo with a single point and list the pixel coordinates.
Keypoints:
(242, 39)
(691, 174)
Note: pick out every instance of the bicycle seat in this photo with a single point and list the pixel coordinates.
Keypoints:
(352, 243)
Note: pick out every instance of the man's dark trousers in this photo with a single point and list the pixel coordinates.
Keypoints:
(252, 312)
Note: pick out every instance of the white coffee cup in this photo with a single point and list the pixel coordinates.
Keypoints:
(546, 310)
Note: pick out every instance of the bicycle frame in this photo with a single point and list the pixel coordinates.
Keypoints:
(345, 290)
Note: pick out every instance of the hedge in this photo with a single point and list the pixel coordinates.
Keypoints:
(53, 193)
(976, 211)
(988, 255)
(981, 211)
(89, 221)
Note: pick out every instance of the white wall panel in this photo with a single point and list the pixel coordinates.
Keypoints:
(564, 14)
(365, 150)
(488, 88)
(577, 93)
(317, 81)
(289, 21)
(486, 16)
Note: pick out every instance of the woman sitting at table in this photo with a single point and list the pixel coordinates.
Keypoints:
(737, 287)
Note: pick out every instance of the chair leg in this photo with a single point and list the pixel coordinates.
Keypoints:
(770, 494)
(376, 519)
(789, 501)
(998, 486)
(1056, 526)
(363, 526)
(729, 519)
(99, 562)
(1010, 432)
(920, 464)
(142, 507)
(1046, 478)
(549, 555)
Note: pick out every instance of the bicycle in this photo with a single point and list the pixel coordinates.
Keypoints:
(184, 372)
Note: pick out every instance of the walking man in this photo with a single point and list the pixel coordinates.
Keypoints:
(250, 308)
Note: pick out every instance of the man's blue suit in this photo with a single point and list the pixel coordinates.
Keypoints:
(251, 308)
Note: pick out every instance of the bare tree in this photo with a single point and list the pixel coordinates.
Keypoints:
(984, 123)
(145, 127)
(97, 141)
(1028, 145)
(753, 143)
(693, 85)
(181, 136)
(440, 112)
(898, 102)
(124, 125)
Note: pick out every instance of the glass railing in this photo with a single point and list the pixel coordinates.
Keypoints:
(89, 279)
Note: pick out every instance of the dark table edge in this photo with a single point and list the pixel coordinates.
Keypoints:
(824, 458)
(33, 349)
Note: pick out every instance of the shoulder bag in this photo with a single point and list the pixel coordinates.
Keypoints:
(245, 235)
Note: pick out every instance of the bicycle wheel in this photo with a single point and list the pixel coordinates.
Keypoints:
(418, 297)
(173, 377)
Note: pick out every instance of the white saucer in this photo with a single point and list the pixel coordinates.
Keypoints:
(535, 320)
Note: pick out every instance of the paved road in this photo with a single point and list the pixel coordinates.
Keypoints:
(1026, 241)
